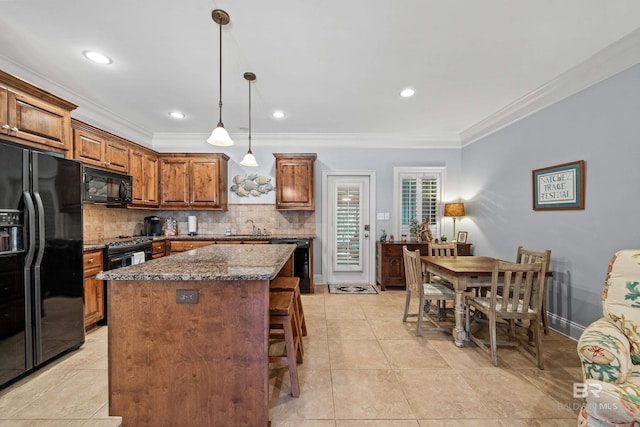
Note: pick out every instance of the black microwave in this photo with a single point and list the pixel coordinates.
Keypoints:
(105, 187)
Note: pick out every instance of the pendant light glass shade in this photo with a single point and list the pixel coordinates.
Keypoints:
(220, 136)
(249, 159)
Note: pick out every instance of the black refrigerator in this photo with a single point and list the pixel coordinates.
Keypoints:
(41, 271)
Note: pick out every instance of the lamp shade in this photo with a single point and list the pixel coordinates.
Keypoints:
(249, 160)
(220, 137)
(454, 209)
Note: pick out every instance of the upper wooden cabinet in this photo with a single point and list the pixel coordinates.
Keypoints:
(294, 181)
(143, 168)
(34, 117)
(194, 181)
(95, 147)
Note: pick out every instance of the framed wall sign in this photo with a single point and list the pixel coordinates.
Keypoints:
(559, 187)
(462, 237)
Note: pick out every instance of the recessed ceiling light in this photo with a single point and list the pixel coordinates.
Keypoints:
(176, 115)
(407, 93)
(97, 57)
(278, 114)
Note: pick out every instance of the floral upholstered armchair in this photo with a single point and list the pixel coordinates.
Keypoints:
(609, 350)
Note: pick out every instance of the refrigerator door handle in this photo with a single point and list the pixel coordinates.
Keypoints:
(41, 231)
(37, 283)
(31, 249)
(31, 212)
(29, 257)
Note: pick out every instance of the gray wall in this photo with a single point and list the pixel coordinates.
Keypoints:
(600, 125)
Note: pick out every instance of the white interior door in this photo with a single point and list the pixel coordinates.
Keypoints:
(348, 250)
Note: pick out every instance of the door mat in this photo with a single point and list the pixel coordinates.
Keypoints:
(352, 289)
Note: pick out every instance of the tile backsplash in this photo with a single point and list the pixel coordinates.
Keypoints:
(102, 223)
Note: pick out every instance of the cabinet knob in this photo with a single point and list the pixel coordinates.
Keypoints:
(90, 260)
(6, 127)
(14, 129)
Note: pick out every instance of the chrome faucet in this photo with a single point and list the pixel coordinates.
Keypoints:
(253, 226)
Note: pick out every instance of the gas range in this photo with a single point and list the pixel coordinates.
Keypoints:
(132, 245)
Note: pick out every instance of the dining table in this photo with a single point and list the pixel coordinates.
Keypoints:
(460, 271)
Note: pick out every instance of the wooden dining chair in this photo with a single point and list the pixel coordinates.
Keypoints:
(426, 292)
(442, 249)
(527, 256)
(512, 297)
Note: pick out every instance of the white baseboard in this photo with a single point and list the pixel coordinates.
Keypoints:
(565, 327)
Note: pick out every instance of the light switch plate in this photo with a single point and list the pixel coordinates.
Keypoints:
(380, 215)
(386, 215)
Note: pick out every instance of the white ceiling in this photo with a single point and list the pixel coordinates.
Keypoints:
(334, 66)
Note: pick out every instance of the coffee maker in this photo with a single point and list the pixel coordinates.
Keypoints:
(152, 226)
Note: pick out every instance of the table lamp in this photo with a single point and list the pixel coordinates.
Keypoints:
(454, 210)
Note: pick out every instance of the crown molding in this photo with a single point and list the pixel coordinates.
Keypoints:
(111, 122)
(186, 142)
(615, 58)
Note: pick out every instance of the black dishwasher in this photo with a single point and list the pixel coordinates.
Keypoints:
(300, 261)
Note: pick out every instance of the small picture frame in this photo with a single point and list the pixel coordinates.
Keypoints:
(462, 237)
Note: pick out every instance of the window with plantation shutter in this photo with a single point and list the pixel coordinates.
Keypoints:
(348, 236)
(418, 195)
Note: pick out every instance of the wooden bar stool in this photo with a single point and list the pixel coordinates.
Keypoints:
(282, 317)
(291, 284)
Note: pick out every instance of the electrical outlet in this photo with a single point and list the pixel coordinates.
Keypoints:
(186, 296)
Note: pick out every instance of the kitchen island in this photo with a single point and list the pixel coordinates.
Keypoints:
(188, 337)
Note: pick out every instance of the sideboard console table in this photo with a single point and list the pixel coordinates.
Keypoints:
(390, 265)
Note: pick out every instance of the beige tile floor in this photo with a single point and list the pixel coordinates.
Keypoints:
(363, 367)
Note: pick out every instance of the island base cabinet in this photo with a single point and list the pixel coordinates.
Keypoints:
(177, 362)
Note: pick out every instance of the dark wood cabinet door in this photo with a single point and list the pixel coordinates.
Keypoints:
(150, 168)
(204, 183)
(175, 182)
(294, 181)
(89, 148)
(38, 121)
(116, 156)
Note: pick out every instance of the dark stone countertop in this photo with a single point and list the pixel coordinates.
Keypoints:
(98, 245)
(215, 262)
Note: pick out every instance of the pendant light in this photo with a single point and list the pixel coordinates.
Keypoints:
(220, 136)
(249, 159)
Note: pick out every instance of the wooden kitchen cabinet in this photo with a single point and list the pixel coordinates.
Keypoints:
(294, 181)
(95, 147)
(143, 168)
(187, 245)
(158, 249)
(390, 263)
(34, 117)
(196, 181)
(93, 289)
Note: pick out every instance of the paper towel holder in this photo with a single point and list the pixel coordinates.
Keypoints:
(192, 225)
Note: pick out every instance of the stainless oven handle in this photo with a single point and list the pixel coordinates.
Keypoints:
(120, 258)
